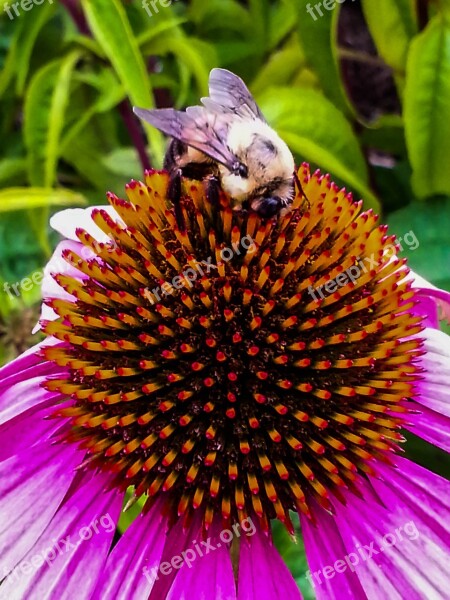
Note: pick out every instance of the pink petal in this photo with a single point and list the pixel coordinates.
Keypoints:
(22, 363)
(400, 544)
(434, 390)
(128, 571)
(67, 221)
(430, 426)
(177, 540)
(262, 572)
(31, 427)
(57, 264)
(33, 485)
(73, 568)
(210, 574)
(19, 396)
(324, 548)
(428, 309)
(427, 289)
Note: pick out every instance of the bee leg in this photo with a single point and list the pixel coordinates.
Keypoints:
(301, 190)
(213, 190)
(174, 194)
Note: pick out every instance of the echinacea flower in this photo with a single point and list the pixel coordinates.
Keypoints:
(238, 371)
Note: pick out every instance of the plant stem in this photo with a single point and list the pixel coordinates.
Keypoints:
(135, 133)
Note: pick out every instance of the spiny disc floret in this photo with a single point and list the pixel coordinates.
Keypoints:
(242, 390)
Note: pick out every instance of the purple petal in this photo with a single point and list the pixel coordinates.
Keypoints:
(324, 548)
(262, 572)
(428, 309)
(430, 426)
(129, 569)
(33, 484)
(29, 428)
(177, 540)
(76, 544)
(399, 545)
(210, 574)
(22, 363)
(19, 394)
(434, 390)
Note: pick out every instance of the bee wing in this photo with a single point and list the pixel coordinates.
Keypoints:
(196, 128)
(228, 93)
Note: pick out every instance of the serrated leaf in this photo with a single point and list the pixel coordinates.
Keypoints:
(427, 109)
(392, 24)
(45, 105)
(109, 23)
(26, 198)
(318, 132)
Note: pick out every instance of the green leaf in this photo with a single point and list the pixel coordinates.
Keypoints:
(424, 232)
(220, 15)
(427, 109)
(87, 43)
(84, 153)
(294, 556)
(45, 106)
(318, 132)
(123, 161)
(128, 516)
(109, 23)
(152, 32)
(12, 170)
(18, 59)
(197, 54)
(33, 197)
(392, 24)
(110, 93)
(318, 40)
(282, 20)
(281, 68)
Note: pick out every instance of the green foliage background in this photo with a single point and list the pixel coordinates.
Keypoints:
(70, 71)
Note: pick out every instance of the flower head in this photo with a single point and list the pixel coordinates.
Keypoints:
(241, 369)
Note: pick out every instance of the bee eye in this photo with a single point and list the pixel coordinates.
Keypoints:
(240, 169)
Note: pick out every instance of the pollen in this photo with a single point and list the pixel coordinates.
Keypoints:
(248, 386)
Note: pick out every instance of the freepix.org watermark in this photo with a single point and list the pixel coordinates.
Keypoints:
(363, 553)
(316, 10)
(60, 547)
(363, 265)
(151, 7)
(58, 266)
(13, 10)
(199, 550)
(199, 268)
